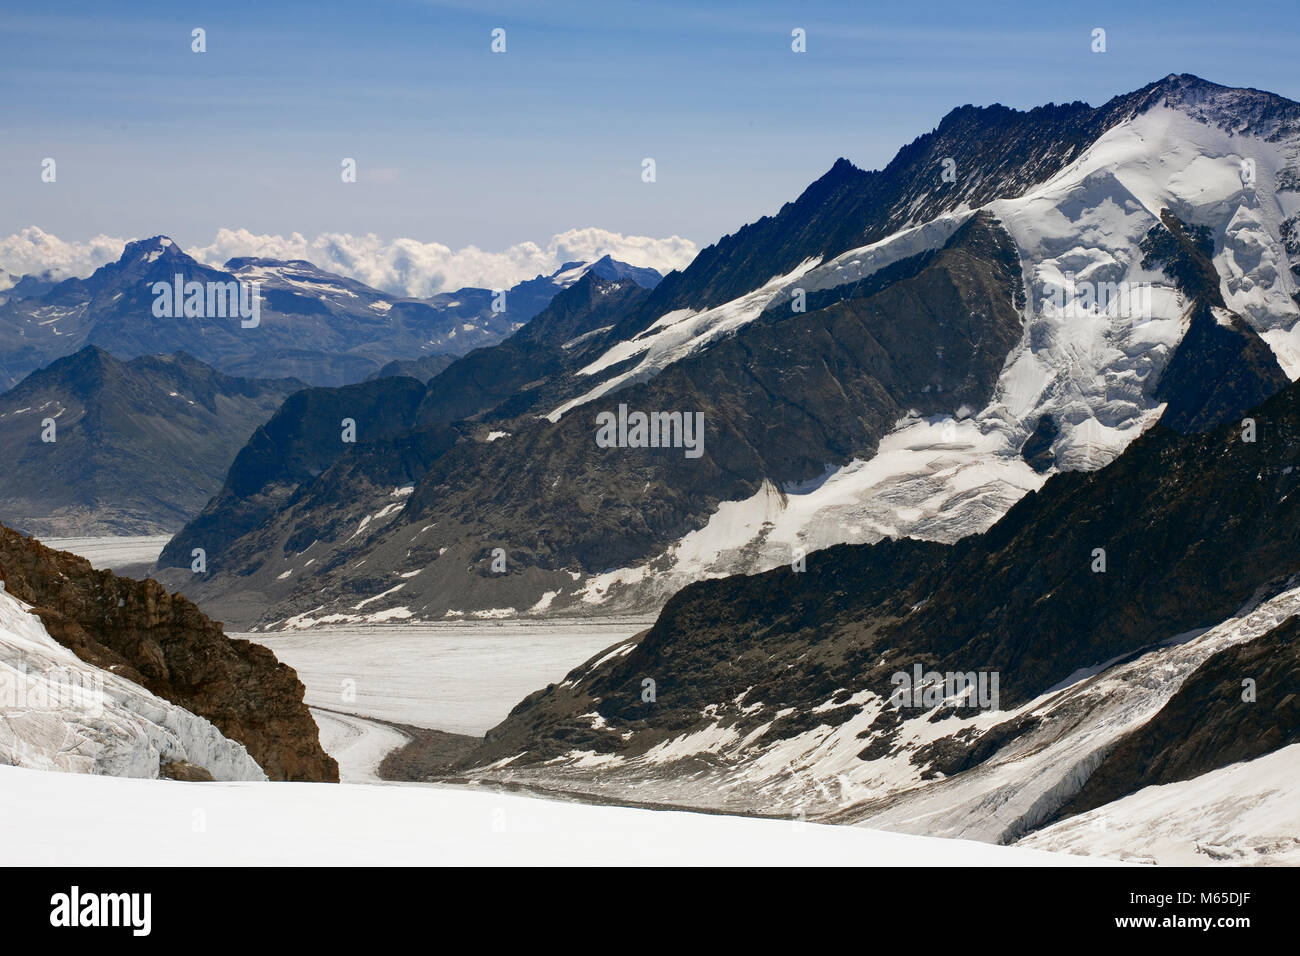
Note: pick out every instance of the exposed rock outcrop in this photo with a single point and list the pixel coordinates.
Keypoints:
(162, 641)
(1037, 449)
(1222, 367)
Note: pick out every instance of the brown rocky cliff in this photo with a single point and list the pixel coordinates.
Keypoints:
(165, 643)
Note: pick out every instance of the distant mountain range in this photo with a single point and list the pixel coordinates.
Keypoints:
(24, 287)
(313, 325)
(142, 445)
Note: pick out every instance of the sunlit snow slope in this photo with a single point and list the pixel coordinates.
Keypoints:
(1246, 813)
(43, 820)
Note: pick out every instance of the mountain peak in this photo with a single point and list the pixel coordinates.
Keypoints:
(1184, 81)
(1234, 109)
(85, 357)
(840, 170)
(151, 250)
(607, 267)
(237, 263)
(78, 373)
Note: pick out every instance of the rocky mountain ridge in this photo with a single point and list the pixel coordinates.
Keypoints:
(886, 389)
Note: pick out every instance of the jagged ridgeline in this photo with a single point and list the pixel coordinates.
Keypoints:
(903, 352)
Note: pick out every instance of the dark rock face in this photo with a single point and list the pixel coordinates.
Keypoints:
(166, 644)
(1217, 372)
(301, 440)
(1221, 367)
(782, 398)
(140, 446)
(183, 770)
(1037, 449)
(1191, 526)
(1211, 722)
(952, 755)
(1184, 253)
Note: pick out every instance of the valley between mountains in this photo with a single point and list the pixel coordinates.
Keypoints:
(991, 532)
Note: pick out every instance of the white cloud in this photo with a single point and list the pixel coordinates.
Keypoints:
(33, 251)
(400, 266)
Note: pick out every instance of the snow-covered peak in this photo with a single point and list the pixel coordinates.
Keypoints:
(569, 273)
(606, 267)
(1232, 109)
(151, 250)
(1091, 367)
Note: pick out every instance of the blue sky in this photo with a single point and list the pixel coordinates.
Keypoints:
(458, 145)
